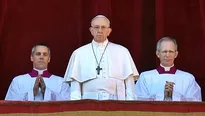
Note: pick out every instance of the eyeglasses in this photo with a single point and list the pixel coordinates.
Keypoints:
(99, 27)
(167, 51)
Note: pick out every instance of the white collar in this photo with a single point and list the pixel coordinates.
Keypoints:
(39, 71)
(100, 44)
(166, 68)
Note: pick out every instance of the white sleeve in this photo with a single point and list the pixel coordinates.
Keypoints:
(142, 91)
(14, 92)
(130, 88)
(50, 95)
(145, 91)
(75, 90)
(193, 92)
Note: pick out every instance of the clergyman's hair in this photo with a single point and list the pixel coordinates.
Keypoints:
(40, 44)
(166, 39)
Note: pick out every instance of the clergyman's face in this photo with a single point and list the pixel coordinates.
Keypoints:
(40, 57)
(100, 29)
(167, 53)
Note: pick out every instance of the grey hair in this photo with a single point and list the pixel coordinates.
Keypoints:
(101, 16)
(166, 39)
(40, 44)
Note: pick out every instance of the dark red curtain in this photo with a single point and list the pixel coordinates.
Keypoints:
(64, 26)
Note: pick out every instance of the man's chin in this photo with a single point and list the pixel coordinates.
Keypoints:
(41, 68)
(168, 64)
(99, 39)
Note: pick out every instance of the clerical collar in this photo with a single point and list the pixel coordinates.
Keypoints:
(100, 44)
(39, 71)
(43, 73)
(166, 70)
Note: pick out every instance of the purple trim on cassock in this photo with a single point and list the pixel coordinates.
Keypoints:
(45, 74)
(162, 71)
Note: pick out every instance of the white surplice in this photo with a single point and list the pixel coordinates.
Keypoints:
(116, 79)
(21, 89)
(150, 86)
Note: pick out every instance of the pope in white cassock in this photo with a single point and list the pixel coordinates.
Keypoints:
(101, 70)
(39, 84)
(166, 82)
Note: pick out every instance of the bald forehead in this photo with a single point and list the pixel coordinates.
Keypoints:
(100, 20)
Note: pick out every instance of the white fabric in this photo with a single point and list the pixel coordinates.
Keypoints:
(40, 71)
(166, 68)
(75, 90)
(150, 86)
(117, 65)
(21, 89)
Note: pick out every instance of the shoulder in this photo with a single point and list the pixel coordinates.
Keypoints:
(149, 72)
(118, 46)
(83, 48)
(56, 77)
(20, 77)
(185, 74)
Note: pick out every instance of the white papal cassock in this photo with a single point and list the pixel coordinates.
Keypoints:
(151, 85)
(116, 79)
(21, 89)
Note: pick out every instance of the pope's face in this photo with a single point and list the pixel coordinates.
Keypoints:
(100, 29)
(40, 57)
(167, 53)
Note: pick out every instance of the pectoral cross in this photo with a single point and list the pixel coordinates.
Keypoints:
(98, 70)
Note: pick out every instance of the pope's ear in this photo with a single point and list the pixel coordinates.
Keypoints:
(110, 30)
(91, 30)
(31, 58)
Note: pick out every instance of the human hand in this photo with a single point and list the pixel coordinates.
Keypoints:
(42, 84)
(168, 89)
(36, 86)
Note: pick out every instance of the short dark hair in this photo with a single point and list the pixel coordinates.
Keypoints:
(40, 44)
